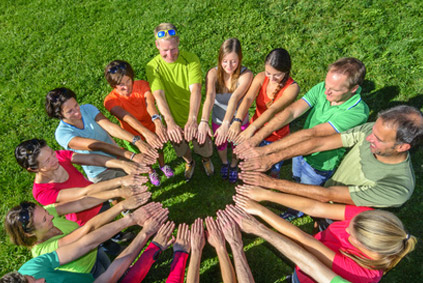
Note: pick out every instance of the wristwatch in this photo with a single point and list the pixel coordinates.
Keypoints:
(135, 139)
(156, 116)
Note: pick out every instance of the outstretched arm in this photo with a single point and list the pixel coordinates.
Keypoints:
(305, 260)
(233, 236)
(309, 206)
(197, 244)
(191, 126)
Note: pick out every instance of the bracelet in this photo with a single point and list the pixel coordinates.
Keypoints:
(204, 120)
(236, 120)
(155, 117)
(132, 156)
(135, 139)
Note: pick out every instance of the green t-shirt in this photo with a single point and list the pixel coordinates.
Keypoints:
(371, 182)
(81, 265)
(349, 114)
(339, 279)
(45, 266)
(174, 79)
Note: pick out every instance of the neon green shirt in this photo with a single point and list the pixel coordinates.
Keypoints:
(349, 114)
(83, 264)
(174, 79)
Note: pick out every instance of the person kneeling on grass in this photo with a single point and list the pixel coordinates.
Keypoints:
(133, 104)
(44, 267)
(362, 246)
(57, 180)
(43, 230)
(226, 86)
(84, 129)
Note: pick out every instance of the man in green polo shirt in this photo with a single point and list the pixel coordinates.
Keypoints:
(175, 80)
(336, 106)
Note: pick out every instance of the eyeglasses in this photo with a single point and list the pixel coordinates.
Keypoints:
(114, 69)
(162, 33)
(24, 215)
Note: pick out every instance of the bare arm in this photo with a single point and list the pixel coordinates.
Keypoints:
(339, 194)
(203, 127)
(289, 96)
(116, 131)
(309, 206)
(191, 126)
(217, 240)
(76, 193)
(197, 245)
(317, 248)
(161, 130)
(233, 236)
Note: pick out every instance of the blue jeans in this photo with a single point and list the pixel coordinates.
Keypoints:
(303, 173)
(276, 167)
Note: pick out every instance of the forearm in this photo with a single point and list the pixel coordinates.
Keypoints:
(80, 204)
(111, 149)
(194, 101)
(242, 268)
(136, 125)
(163, 107)
(230, 110)
(90, 241)
(280, 120)
(177, 268)
(193, 275)
(207, 106)
(226, 267)
(243, 108)
(307, 262)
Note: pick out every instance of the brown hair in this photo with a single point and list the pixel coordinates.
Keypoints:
(116, 70)
(13, 277)
(55, 100)
(15, 228)
(381, 232)
(228, 46)
(353, 68)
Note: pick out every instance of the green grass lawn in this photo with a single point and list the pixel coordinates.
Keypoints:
(46, 44)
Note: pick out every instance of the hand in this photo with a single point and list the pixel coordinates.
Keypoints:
(255, 193)
(256, 178)
(182, 242)
(161, 132)
(248, 205)
(260, 164)
(134, 168)
(190, 129)
(221, 134)
(245, 135)
(203, 131)
(230, 229)
(136, 201)
(174, 132)
(246, 222)
(242, 149)
(153, 140)
(146, 149)
(144, 159)
(144, 212)
(214, 234)
(127, 192)
(197, 235)
(133, 180)
(164, 236)
(234, 131)
(152, 224)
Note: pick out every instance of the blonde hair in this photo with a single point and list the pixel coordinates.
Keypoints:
(381, 232)
(228, 46)
(165, 26)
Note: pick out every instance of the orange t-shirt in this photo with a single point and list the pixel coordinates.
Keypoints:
(135, 104)
(261, 102)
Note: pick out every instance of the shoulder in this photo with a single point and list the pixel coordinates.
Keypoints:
(260, 77)
(212, 73)
(188, 56)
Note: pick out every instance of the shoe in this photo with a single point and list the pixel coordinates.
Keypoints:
(224, 171)
(154, 178)
(189, 170)
(167, 171)
(123, 237)
(208, 167)
(233, 174)
(291, 214)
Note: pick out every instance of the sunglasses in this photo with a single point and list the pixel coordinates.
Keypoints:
(162, 33)
(24, 216)
(114, 69)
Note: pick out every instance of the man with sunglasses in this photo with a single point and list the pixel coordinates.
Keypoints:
(175, 80)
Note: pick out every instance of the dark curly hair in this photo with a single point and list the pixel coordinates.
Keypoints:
(55, 99)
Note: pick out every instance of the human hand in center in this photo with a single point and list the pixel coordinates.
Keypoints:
(182, 242)
(164, 238)
(190, 129)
